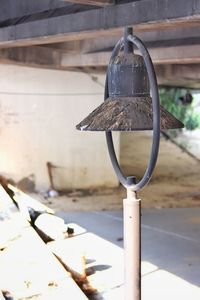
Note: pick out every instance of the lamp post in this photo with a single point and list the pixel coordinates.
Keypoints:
(131, 103)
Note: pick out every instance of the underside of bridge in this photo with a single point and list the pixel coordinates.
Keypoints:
(80, 34)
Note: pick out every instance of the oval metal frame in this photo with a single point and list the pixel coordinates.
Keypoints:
(156, 117)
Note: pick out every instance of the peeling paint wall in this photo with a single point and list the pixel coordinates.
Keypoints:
(39, 110)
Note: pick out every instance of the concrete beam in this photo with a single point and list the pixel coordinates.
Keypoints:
(143, 15)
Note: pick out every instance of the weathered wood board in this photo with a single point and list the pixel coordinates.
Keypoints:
(27, 268)
(103, 263)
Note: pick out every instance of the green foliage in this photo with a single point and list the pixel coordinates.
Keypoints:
(192, 121)
(169, 98)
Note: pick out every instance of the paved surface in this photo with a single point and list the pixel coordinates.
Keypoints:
(170, 247)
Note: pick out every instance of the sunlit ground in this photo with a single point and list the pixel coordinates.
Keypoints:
(170, 256)
(161, 284)
(170, 252)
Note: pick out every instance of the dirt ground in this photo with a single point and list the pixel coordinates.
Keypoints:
(176, 180)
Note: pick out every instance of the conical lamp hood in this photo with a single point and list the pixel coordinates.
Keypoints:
(127, 114)
(129, 105)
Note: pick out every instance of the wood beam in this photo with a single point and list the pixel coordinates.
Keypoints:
(19, 8)
(92, 2)
(187, 76)
(181, 75)
(167, 55)
(176, 55)
(46, 57)
(164, 38)
(143, 15)
(36, 56)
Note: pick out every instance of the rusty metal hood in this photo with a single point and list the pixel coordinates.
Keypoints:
(127, 114)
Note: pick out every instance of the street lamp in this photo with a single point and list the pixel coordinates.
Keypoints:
(131, 103)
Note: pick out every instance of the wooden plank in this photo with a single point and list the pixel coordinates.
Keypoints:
(28, 269)
(176, 55)
(103, 263)
(72, 255)
(157, 38)
(168, 55)
(6, 204)
(24, 201)
(189, 72)
(143, 15)
(187, 76)
(35, 271)
(92, 2)
(21, 8)
(11, 221)
(164, 59)
(58, 231)
(35, 56)
(48, 57)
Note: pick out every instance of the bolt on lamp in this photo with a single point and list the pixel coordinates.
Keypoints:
(131, 103)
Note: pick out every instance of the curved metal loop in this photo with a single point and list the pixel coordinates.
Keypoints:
(122, 178)
(156, 118)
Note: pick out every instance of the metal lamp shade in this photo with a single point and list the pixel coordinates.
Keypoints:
(129, 105)
(126, 114)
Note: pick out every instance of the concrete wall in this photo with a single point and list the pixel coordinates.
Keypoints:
(39, 110)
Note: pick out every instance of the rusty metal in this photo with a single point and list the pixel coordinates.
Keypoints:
(49, 170)
(134, 110)
(128, 104)
(127, 76)
(128, 114)
(128, 47)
